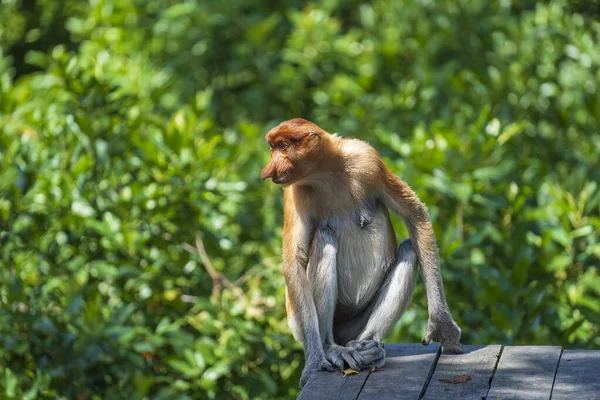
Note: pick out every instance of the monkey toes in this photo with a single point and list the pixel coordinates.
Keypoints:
(445, 331)
(361, 345)
(357, 354)
(314, 365)
(340, 355)
(371, 351)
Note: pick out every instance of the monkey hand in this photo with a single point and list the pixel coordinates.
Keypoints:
(314, 364)
(357, 354)
(338, 355)
(443, 329)
(371, 351)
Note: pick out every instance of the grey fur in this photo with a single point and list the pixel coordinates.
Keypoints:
(361, 334)
(312, 365)
(366, 214)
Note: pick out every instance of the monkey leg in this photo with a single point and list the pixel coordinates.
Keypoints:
(322, 276)
(365, 331)
(308, 299)
(394, 296)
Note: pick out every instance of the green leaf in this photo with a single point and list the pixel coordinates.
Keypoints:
(184, 368)
(583, 231)
(518, 277)
(10, 384)
(560, 262)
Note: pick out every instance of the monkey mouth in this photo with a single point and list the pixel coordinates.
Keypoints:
(279, 180)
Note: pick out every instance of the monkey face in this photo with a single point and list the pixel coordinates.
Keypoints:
(280, 169)
(295, 145)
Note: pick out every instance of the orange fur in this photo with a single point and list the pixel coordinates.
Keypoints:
(328, 179)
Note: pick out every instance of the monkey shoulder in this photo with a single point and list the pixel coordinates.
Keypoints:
(359, 153)
(363, 164)
(356, 148)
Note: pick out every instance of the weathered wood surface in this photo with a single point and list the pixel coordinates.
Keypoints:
(464, 376)
(578, 376)
(525, 372)
(413, 371)
(334, 385)
(405, 374)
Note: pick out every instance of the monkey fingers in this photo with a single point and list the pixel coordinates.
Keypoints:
(338, 355)
(444, 330)
(373, 357)
(371, 352)
(364, 344)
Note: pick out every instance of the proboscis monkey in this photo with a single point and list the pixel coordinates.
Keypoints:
(347, 282)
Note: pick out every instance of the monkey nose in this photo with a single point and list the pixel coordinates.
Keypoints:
(266, 173)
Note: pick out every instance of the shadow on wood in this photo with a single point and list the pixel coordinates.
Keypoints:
(406, 371)
(413, 371)
(476, 365)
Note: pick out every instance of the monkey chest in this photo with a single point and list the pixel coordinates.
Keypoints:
(366, 246)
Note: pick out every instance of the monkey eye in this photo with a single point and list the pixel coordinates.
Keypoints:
(271, 146)
(282, 146)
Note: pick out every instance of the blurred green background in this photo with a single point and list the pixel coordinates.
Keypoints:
(128, 128)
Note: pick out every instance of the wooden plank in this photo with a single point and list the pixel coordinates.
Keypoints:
(578, 376)
(333, 386)
(449, 380)
(525, 373)
(405, 374)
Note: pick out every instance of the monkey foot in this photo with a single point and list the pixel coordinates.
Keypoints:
(445, 331)
(357, 354)
(313, 365)
(371, 351)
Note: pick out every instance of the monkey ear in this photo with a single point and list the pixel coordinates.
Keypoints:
(314, 134)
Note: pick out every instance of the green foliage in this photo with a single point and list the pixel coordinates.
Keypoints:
(129, 128)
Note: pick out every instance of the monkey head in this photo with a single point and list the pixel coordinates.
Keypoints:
(296, 149)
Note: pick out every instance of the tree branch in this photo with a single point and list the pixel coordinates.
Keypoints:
(217, 278)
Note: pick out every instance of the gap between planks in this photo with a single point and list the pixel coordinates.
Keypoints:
(431, 371)
(464, 376)
(525, 372)
(405, 373)
(532, 372)
(494, 371)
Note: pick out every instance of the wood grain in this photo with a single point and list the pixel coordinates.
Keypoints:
(405, 374)
(477, 363)
(578, 376)
(333, 386)
(525, 373)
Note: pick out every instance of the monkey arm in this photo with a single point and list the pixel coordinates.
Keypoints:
(301, 308)
(402, 200)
